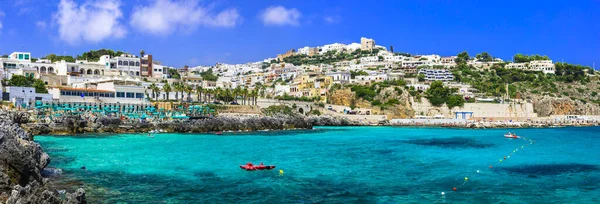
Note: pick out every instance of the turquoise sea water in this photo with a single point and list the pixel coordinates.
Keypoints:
(335, 165)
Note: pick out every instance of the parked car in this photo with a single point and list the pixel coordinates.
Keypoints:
(216, 102)
(234, 103)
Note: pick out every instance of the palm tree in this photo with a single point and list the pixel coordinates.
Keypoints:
(254, 95)
(167, 89)
(153, 87)
(226, 94)
(199, 90)
(142, 52)
(237, 91)
(218, 92)
(244, 94)
(189, 91)
(177, 87)
(155, 90)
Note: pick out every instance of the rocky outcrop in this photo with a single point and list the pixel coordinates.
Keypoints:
(280, 122)
(330, 121)
(342, 97)
(21, 164)
(564, 106)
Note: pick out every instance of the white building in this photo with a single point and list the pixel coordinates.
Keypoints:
(437, 74)
(340, 77)
(331, 47)
(25, 96)
(545, 66)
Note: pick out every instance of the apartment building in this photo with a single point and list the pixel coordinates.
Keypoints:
(437, 74)
(545, 66)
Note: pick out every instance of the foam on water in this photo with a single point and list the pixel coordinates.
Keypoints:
(335, 165)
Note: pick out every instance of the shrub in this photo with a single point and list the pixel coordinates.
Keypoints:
(392, 101)
(375, 103)
(315, 112)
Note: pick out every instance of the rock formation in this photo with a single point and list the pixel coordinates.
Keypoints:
(21, 164)
(564, 106)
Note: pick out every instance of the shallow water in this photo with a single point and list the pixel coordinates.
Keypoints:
(335, 165)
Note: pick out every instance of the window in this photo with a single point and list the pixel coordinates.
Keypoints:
(26, 56)
(20, 56)
(120, 62)
(139, 95)
(120, 94)
(137, 64)
(129, 95)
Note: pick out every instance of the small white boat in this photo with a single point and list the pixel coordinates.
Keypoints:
(153, 131)
(512, 136)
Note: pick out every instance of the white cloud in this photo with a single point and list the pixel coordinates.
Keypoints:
(163, 17)
(1, 15)
(92, 21)
(40, 24)
(332, 19)
(279, 15)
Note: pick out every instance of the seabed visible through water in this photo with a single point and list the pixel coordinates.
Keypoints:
(335, 165)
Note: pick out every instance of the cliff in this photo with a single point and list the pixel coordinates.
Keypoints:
(394, 102)
(21, 164)
(564, 106)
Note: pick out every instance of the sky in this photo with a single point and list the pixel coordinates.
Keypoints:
(203, 32)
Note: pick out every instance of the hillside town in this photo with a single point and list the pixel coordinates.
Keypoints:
(310, 76)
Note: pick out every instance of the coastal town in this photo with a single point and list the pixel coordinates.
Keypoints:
(362, 82)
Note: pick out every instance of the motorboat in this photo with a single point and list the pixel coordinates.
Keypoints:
(511, 136)
(252, 167)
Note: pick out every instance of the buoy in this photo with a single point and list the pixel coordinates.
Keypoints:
(522, 147)
(466, 179)
(508, 157)
(500, 160)
(454, 189)
(443, 193)
(280, 171)
(490, 166)
(478, 170)
(504, 158)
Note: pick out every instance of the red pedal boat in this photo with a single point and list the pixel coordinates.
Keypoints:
(252, 167)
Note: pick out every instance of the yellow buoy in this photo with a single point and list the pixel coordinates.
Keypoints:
(281, 171)
(466, 178)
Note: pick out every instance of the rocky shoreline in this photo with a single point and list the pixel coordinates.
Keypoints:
(23, 177)
(77, 125)
(22, 162)
(70, 125)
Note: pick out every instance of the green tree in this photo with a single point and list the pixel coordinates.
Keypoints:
(484, 57)
(380, 58)
(167, 89)
(20, 80)
(455, 100)
(199, 91)
(421, 77)
(437, 93)
(174, 73)
(153, 88)
(40, 86)
(462, 58)
(208, 75)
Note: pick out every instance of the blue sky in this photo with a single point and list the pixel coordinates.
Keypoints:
(194, 32)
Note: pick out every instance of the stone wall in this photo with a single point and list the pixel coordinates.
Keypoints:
(479, 109)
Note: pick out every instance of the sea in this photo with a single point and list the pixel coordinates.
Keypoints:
(334, 165)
